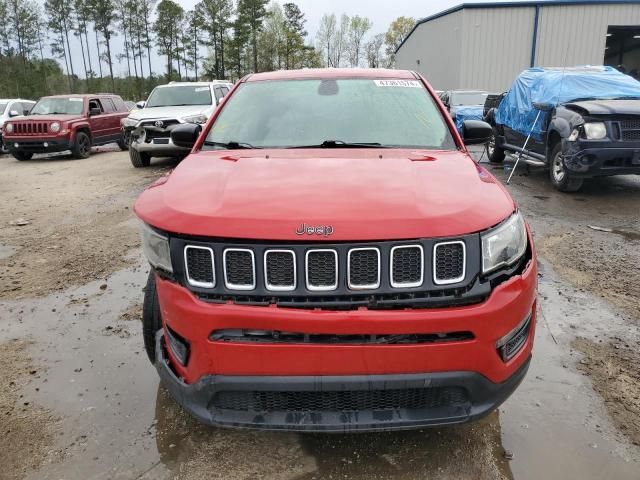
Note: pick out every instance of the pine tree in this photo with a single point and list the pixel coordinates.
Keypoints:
(252, 13)
(166, 29)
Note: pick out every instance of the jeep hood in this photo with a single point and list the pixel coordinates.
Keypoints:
(606, 107)
(171, 112)
(48, 118)
(363, 194)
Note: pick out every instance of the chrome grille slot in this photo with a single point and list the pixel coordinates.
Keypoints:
(280, 270)
(363, 268)
(239, 269)
(199, 266)
(449, 259)
(321, 268)
(407, 266)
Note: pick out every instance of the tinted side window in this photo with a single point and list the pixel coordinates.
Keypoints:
(109, 107)
(218, 93)
(225, 90)
(119, 103)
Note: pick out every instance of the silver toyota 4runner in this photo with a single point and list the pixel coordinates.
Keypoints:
(148, 128)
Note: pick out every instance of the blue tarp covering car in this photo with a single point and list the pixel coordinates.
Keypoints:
(548, 87)
(467, 112)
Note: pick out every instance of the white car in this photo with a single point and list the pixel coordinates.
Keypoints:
(148, 128)
(9, 108)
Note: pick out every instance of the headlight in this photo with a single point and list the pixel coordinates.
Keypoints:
(504, 244)
(129, 122)
(595, 130)
(156, 248)
(195, 119)
(55, 127)
(9, 127)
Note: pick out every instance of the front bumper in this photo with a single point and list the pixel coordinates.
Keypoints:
(588, 158)
(463, 379)
(38, 145)
(158, 145)
(440, 398)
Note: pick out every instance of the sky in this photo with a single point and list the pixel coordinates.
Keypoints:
(380, 12)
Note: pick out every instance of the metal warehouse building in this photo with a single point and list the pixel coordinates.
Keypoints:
(485, 45)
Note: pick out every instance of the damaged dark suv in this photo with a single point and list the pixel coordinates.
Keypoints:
(579, 123)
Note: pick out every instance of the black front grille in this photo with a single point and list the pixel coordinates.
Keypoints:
(407, 265)
(280, 269)
(631, 135)
(630, 129)
(364, 268)
(343, 275)
(449, 261)
(321, 269)
(275, 336)
(199, 265)
(341, 401)
(239, 268)
(633, 124)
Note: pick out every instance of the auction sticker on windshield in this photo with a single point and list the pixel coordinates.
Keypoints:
(398, 83)
(75, 99)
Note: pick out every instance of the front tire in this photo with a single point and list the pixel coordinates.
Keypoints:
(494, 154)
(82, 146)
(139, 159)
(559, 175)
(151, 319)
(123, 144)
(22, 156)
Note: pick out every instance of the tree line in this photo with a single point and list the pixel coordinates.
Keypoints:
(217, 39)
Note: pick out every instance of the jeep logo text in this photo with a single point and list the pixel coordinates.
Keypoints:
(325, 230)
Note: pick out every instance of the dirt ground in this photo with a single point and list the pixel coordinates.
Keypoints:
(27, 430)
(71, 280)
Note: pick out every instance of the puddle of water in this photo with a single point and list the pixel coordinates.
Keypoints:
(6, 251)
(119, 424)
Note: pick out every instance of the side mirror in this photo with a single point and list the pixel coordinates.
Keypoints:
(186, 135)
(95, 111)
(140, 105)
(476, 131)
(544, 107)
(14, 113)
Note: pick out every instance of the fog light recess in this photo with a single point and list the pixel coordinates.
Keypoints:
(178, 345)
(509, 345)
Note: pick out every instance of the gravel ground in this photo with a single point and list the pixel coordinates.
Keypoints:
(71, 279)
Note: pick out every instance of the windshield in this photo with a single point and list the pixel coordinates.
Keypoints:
(63, 106)
(2, 107)
(468, 98)
(307, 113)
(179, 95)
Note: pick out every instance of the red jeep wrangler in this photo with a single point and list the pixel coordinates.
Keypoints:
(67, 122)
(331, 258)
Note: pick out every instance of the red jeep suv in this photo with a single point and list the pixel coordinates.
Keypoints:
(67, 122)
(330, 258)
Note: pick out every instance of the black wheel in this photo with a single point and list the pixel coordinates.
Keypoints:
(139, 159)
(82, 146)
(123, 145)
(22, 156)
(494, 154)
(558, 174)
(151, 319)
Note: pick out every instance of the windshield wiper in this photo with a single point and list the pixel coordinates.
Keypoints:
(342, 144)
(230, 145)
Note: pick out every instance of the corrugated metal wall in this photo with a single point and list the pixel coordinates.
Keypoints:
(485, 48)
(496, 46)
(436, 45)
(579, 33)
